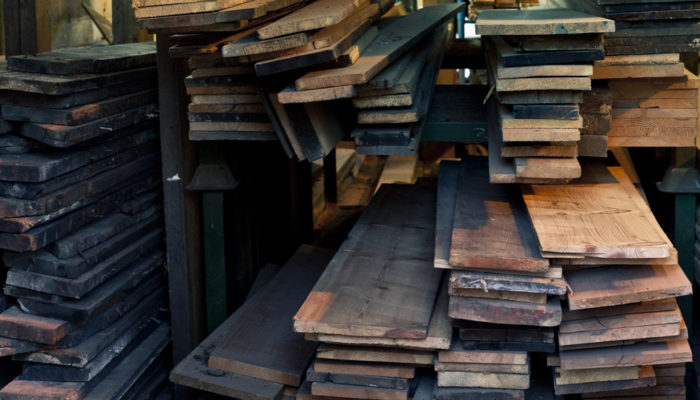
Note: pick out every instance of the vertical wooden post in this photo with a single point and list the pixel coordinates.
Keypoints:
(181, 208)
(19, 20)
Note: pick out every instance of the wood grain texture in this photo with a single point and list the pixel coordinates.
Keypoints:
(374, 355)
(288, 353)
(506, 312)
(540, 22)
(584, 216)
(625, 356)
(547, 168)
(491, 229)
(637, 71)
(615, 285)
(381, 283)
(316, 15)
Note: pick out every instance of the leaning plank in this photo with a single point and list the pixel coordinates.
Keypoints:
(505, 240)
(597, 200)
(505, 311)
(238, 352)
(615, 285)
(380, 242)
(445, 211)
(404, 33)
(677, 351)
(317, 15)
(540, 22)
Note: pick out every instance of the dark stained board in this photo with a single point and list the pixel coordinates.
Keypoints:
(548, 111)
(16, 324)
(81, 285)
(79, 114)
(46, 263)
(505, 311)
(40, 167)
(384, 251)
(86, 60)
(445, 393)
(491, 229)
(445, 211)
(62, 85)
(541, 97)
(238, 351)
(67, 136)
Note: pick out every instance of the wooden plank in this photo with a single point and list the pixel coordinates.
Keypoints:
(508, 121)
(374, 355)
(486, 337)
(478, 394)
(564, 149)
(408, 254)
(483, 380)
(16, 324)
(541, 97)
(614, 285)
(646, 378)
(382, 52)
(439, 334)
(481, 367)
(373, 369)
(639, 59)
(505, 311)
(556, 111)
(314, 16)
(623, 356)
(538, 298)
(357, 392)
(637, 71)
(534, 43)
(284, 294)
(540, 22)
(360, 380)
(458, 355)
(479, 245)
(175, 9)
(571, 377)
(511, 283)
(593, 146)
(636, 234)
(290, 95)
(547, 168)
(251, 45)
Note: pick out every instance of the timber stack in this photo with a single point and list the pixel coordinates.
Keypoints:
(81, 224)
(315, 57)
(540, 63)
(655, 100)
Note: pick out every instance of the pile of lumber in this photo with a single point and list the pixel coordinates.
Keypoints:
(255, 354)
(621, 320)
(379, 309)
(477, 5)
(81, 225)
(539, 63)
(504, 296)
(225, 102)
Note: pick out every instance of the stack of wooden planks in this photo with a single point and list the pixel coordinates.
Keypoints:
(622, 319)
(540, 63)
(255, 354)
(81, 224)
(504, 296)
(596, 115)
(379, 309)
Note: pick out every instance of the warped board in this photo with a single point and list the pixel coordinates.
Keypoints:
(80, 114)
(317, 15)
(383, 250)
(506, 312)
(284, 294)
(374, 355)
(62, 85)
(596, 200)
(615, 285)
(40, 167)
(623, 356)
(404, 34)
(86, 60)
(439, 334)
(511, 283)
(490, 228)
(646, 378)
(540, 22)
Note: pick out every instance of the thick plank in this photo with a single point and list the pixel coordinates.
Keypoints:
(571, 377)
(624, 356)
(582, 208)
(541, 97)
(541, 150)
(615, 285)
(489, 380)
(645, 379)
(317, 15)
(481, 367)
(380, 242)
(637, 71)
(491, 229)
(439, 334)
(546, 111)
(547, 168)
(540, 22)
(404, 34)
(478, 394)
(488, 337)
(505, 311)
(373, 369)
(538, 298)
(361, 380)
(457, 354)
(234, 353)
(16, 324)
(374, 355)
(357, 392)
(511, 283)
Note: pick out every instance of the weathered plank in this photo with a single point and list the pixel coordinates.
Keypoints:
(234, 353)
(16, 324)
(373, 369)
(645, 379)
(403, 252)
(547, 168)
(511, 283)
(317, 15)
(623, 356)
(505, 311)
(540, 22)
(489, 380)
(357, 392)
(374, 355)
(457, 354)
